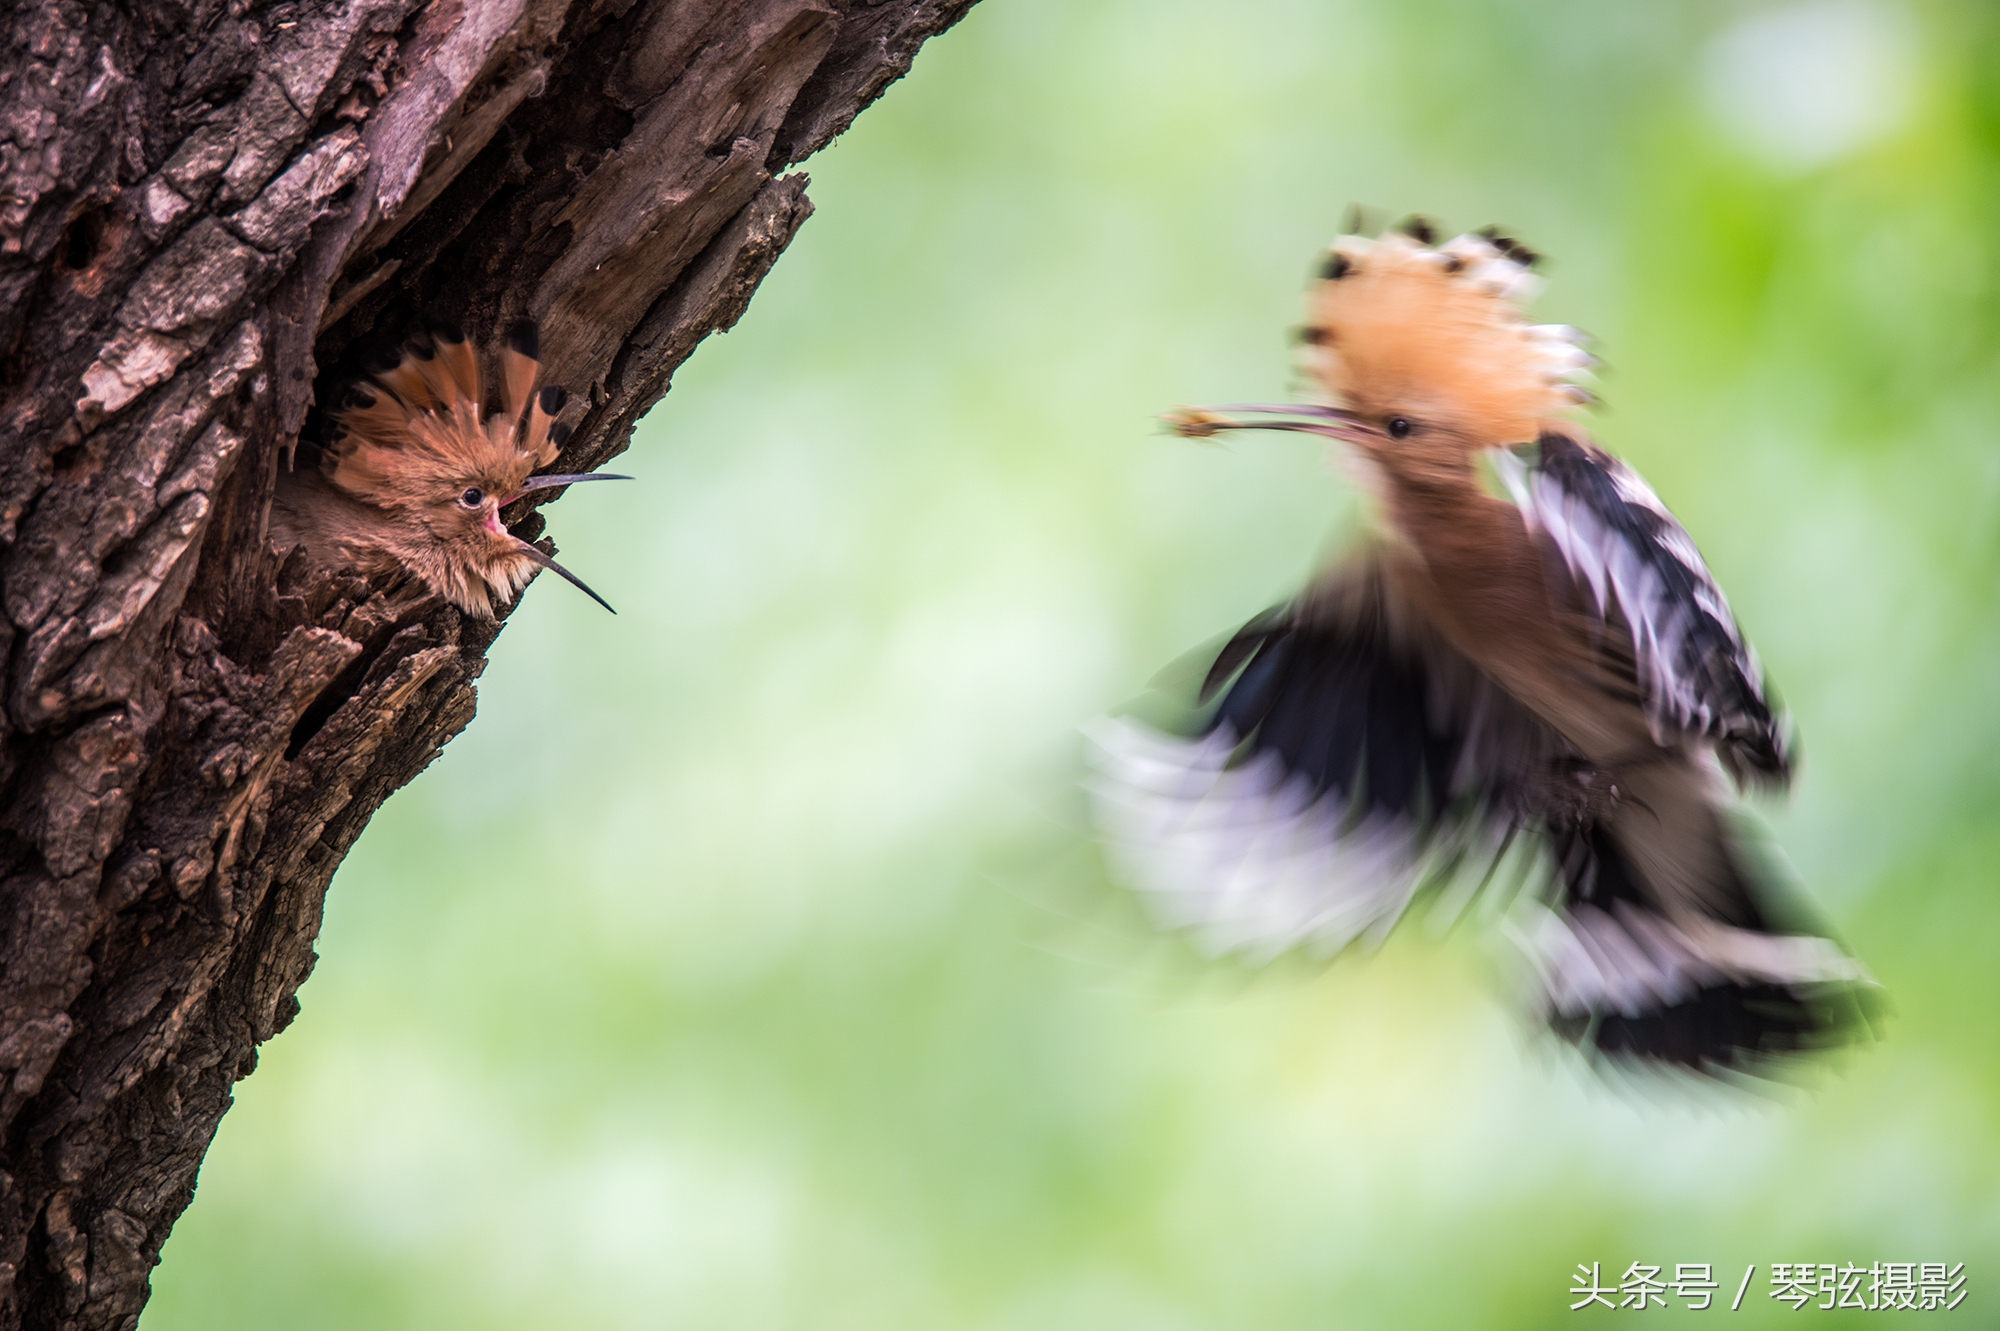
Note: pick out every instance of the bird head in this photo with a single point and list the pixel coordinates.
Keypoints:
(1422, 349)
(417, 443)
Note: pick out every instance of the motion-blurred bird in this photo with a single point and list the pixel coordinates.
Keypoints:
(1562, 665)
(418, 473)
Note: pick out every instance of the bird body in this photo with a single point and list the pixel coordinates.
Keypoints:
(420, 471)
(1560, 664)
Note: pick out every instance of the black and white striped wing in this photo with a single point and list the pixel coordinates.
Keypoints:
(1639, 570)
(1350, 756)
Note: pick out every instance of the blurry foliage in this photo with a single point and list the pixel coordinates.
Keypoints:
(743, 966)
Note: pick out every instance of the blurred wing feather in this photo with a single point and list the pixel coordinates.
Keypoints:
(1639, 571)
(1352, 754)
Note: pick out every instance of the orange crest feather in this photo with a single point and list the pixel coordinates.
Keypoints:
(1396, 324)
(420, 430)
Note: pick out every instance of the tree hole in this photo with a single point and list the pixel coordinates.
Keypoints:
(83, 240)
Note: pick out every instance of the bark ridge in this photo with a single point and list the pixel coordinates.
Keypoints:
(209, 211)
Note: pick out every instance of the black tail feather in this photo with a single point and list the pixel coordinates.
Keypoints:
(1724, 1023)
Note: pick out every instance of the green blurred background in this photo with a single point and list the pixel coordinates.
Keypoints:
(743, 966)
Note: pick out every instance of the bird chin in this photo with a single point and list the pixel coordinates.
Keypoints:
(489, 583)
(507, 574)
(1362, 469)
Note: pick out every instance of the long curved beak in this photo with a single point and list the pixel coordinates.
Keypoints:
(546, 562)
(1331, 422)
(570, 478)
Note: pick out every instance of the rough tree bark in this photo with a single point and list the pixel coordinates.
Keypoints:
(209, 210)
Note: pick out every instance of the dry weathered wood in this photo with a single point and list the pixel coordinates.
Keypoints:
(209, 210)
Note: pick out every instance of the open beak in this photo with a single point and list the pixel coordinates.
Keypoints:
(1332, 422)
(546, 562)
(570, 478)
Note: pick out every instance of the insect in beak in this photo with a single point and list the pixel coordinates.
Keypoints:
(522, 547)
(1332, 422)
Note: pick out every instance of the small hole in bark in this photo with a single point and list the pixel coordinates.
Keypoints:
(66, 458)
(225, 85)
(720, 151)
(321, 709)
(83, 239)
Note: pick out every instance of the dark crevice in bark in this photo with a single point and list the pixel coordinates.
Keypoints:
(209, 213)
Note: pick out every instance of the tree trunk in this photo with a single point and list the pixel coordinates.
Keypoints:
(209, 211)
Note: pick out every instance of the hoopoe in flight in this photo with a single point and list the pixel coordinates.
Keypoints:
(419, 471)
(1562, 665)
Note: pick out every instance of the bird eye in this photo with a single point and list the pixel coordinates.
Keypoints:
(1399, 427)
(472, 496)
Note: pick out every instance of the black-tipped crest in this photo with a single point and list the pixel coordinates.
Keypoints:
(1447, 315)
(444, 330)
(1337, 266)
(554, 397)
(559, 434)
(520, 363)
(1509, 246)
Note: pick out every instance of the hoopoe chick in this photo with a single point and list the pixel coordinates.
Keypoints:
(1561, 666)
(419, 472)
